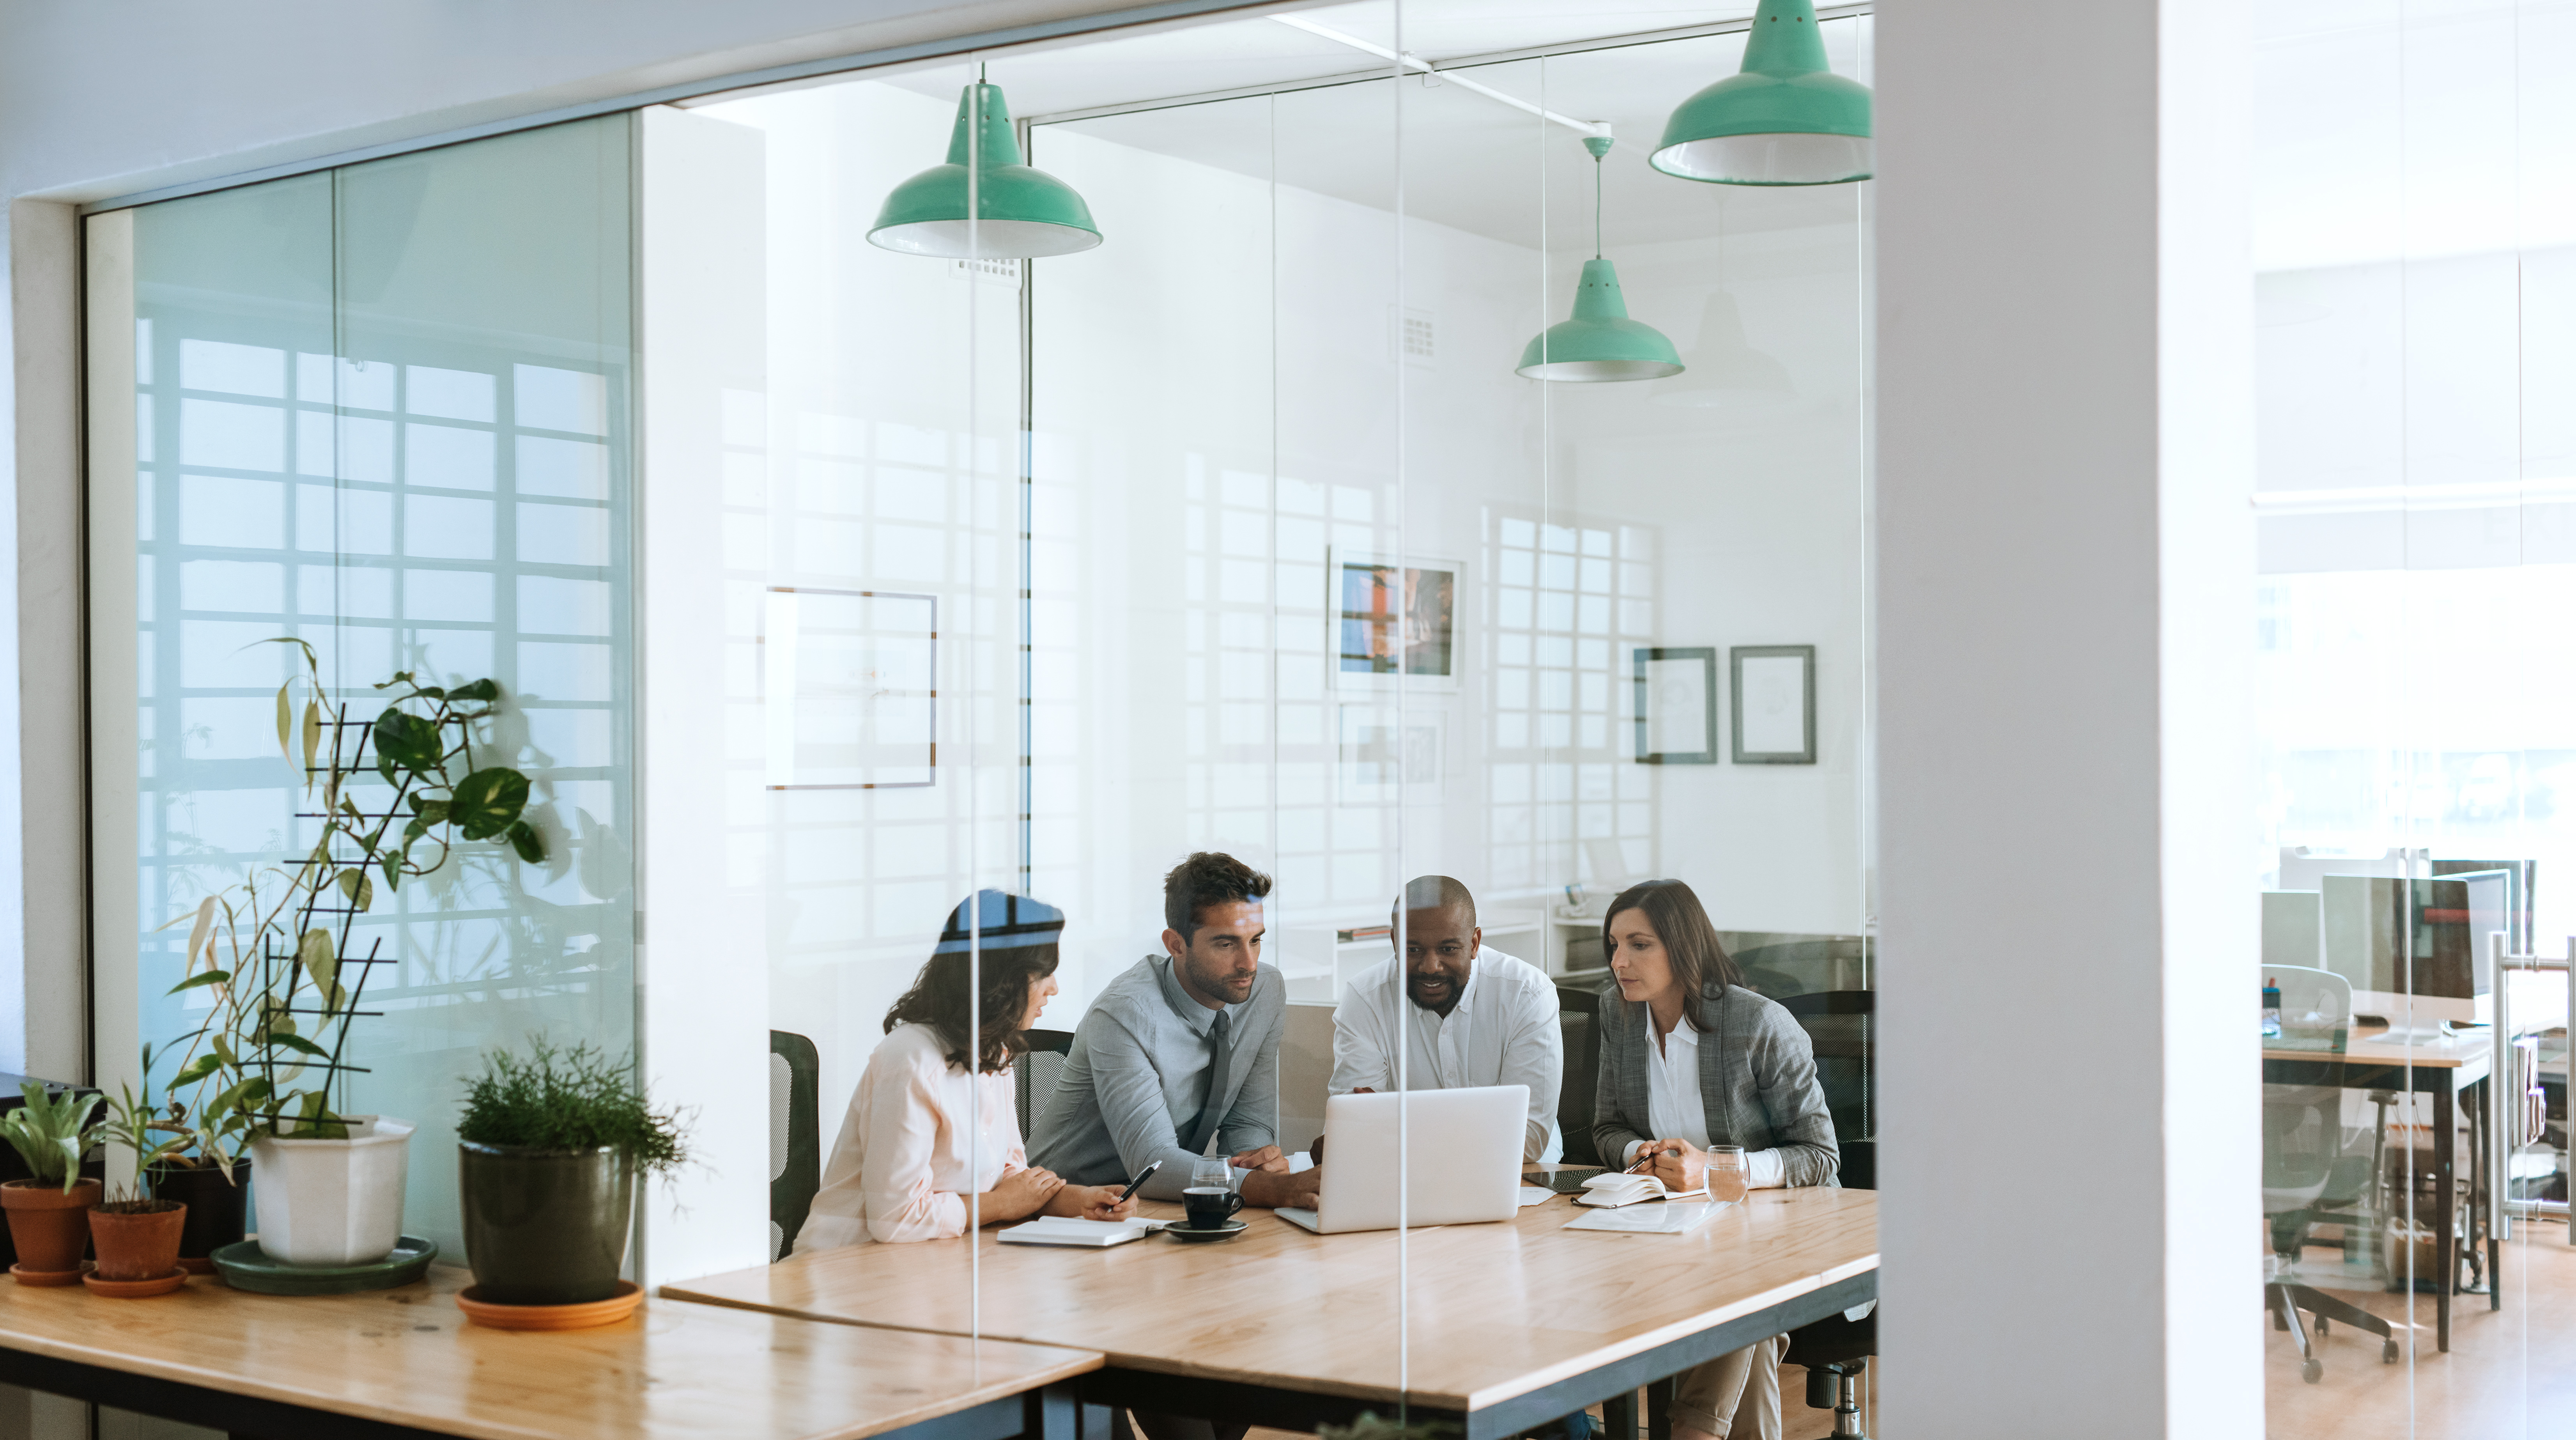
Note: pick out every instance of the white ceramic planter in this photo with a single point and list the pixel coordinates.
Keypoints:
(334, 1202)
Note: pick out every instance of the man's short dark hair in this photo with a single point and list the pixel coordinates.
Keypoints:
(1437, 892)
(1207, 878)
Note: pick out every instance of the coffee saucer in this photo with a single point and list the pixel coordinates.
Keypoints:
(1221, 1232)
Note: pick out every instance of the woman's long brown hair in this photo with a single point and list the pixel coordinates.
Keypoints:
(1689, 940)
(938, 999)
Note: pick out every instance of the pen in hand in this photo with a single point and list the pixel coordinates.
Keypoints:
(1141, 1177)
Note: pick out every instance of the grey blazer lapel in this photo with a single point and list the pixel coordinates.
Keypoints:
(1716, 1048)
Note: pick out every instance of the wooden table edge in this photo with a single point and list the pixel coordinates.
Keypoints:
(1076, 1362)
(1609, 1354)
(1645, 1340)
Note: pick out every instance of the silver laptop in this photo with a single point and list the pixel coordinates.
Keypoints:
(1463, 1159)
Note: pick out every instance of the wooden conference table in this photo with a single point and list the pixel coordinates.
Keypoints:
(2449, 1070)
(407, 1363)
(1495, 1327)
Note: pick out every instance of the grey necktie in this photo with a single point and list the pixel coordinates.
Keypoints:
(1212, 1095)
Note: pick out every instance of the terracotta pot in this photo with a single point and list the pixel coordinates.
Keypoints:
(138, 1245)
(50, 1227)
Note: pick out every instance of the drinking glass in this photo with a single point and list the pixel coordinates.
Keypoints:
(1211, 1172)
(1725, 1173)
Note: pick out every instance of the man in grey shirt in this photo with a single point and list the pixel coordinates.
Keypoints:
(1180, 1051)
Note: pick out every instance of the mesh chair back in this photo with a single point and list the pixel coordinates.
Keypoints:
(1842, 1026)
(1578, 1015)
(795, 1137)
(1036, 1073)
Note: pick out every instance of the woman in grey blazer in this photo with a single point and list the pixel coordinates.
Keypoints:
(1690, 1059)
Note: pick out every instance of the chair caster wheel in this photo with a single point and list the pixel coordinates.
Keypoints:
(2321, 1324)
(2388, 1352)
(2312, 1370)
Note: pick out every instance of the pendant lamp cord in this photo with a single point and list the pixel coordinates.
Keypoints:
(1596, 207)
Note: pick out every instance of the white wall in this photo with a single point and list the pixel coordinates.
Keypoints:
(2065, 573)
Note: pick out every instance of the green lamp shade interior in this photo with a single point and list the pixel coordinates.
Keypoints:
(1786, 120)
(1600, 342)
(1017, 211)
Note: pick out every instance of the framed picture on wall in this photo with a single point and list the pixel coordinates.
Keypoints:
(1380, 752)
(1676, 705)
(1774, 692)
(1395, 623)
(848, 689)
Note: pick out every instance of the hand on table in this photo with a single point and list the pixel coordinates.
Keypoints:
(1682, 1166)
(1268, 1157)
(1274, 1188)
(1092, 1202)
(1020, 1194)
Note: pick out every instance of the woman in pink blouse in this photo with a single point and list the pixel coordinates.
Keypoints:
(923, 1132)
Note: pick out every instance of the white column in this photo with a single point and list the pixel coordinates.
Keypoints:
(703, 997)
(43, 929)
(2065, 579)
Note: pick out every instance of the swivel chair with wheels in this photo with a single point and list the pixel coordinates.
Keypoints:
(2308, 1178)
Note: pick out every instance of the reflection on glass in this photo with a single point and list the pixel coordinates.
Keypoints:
(368, 418)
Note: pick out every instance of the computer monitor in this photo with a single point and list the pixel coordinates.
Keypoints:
(2416, 946)
(2292, 930)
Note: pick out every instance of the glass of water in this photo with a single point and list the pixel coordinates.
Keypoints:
(1725, 1173)
(1211, 1172)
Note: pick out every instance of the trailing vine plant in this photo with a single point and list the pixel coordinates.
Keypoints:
(275, 950)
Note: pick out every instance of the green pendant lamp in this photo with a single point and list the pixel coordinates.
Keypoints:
(1020, 212)
(1600, 342)
(1785, 120)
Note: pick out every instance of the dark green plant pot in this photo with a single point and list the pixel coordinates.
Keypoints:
(545, 1227)
(215, 1208)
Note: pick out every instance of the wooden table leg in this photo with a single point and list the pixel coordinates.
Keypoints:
(2446, 1260)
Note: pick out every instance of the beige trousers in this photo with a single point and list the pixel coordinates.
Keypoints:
(1736, 1395)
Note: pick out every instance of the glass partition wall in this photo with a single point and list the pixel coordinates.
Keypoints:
(1247, 529)
(1243, 535)
(380, 413)
(2413, 251)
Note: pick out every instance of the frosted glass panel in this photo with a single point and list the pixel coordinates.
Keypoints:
(382, 410)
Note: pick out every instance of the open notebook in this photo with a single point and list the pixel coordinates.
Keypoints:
(1612, 1191)
(1075, 1231)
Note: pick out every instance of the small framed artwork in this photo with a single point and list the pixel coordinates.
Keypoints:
(1384, 755)
(1394, 622)
(1775, 704)
(1676, 703)
(848, 689)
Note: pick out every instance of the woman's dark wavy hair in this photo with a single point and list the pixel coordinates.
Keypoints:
(939, 994)
(1699, 960)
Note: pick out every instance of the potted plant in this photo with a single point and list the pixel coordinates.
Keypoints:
(137, 1234)
(204, 1170)
(49, 1215)
(271, 1065)
(550, 1148)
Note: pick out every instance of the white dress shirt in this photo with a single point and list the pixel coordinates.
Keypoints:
(902, 1167)
(1675, 1109)
(1502, 1031)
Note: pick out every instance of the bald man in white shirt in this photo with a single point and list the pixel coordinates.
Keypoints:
(1466, 1015)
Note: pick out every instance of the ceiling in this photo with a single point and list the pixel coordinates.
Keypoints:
(1468, 160)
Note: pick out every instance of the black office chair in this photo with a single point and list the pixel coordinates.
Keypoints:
(1835, 1350)
(1846, 1053)
(1034, 1075)
(795, 1137)
(1578, 1016)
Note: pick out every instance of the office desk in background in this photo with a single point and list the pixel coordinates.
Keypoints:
(392, 1364)
(2449, 1070)
(1503, 1326)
